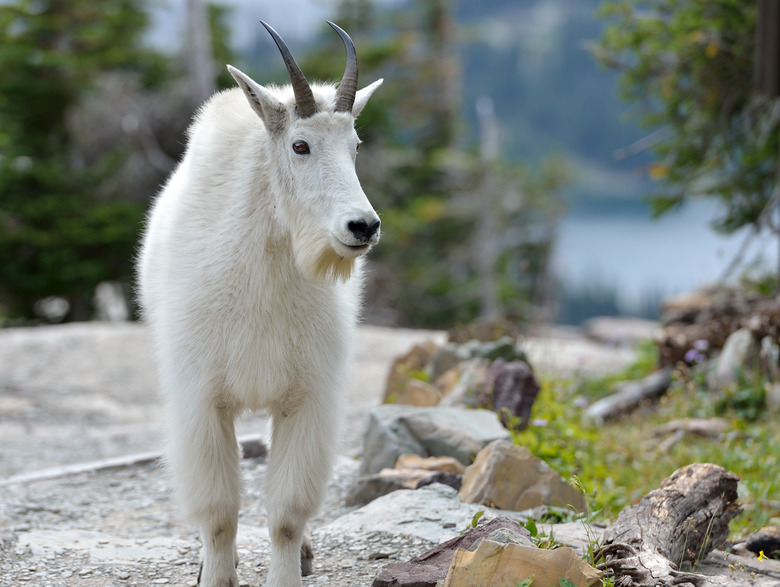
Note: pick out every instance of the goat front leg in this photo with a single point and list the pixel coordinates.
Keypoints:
(300, 461)
(203, 456)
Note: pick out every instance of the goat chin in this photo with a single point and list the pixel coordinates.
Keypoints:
(317, 260)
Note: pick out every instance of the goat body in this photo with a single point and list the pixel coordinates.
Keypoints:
(249, 280)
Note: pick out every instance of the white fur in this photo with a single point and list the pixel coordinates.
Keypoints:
(250, 282)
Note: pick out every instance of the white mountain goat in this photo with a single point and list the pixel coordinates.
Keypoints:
(250, 282)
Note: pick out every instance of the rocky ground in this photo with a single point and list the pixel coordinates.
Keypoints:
(83, 502)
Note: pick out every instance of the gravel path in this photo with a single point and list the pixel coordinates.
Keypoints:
(86, 392)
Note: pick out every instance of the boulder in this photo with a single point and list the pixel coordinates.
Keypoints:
(509, 477)
(773, 397)
(506, 564)
(433, 513)
(465, 385)
(410, 472)
(367, 488)
(415, 392)
(441, 464)
(740, 354)
(450, 354)
(412, 365)
(431, 567)
(514, 390)
(394, 430)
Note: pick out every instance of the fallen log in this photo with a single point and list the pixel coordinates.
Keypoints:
(629, 395)
(673, 528)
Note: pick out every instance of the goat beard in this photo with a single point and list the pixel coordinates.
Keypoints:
(318, 261)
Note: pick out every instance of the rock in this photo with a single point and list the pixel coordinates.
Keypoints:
(773, 397)
(386, 438)
(766, 540)
(514, 390)
(428, 569)
(740, 354)
(505, 565)
(441, 464)
(415, 392)
(367, 488)
(509, 477)
(464, 385)
(253, 448)
(432, 513)
(450, 479)
(449, 355)
(110, 302)
(52, 309)
(485, 331)
(394, 430)
(405, 367)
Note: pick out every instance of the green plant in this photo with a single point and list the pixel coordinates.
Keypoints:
(592, 552)
(475, 519)
(688, 67)
(616, 463)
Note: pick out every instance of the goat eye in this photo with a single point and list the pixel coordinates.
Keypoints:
(301, 147)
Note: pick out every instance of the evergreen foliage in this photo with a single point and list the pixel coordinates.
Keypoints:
(688, 67)
(57, 237)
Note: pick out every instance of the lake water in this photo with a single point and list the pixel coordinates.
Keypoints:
(639, 259)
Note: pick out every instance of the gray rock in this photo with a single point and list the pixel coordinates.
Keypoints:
(366, 489)
(450, 354)
(465, 393)
(740, 354)
(433, 513)
(394, 430)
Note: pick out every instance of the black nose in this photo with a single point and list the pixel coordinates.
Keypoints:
(362, 230)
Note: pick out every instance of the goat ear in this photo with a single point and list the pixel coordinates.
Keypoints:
(361, 97)
(271, 110)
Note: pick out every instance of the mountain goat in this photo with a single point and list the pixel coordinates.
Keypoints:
(249, 279)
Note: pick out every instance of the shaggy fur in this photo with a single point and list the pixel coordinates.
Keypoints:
(250, 282)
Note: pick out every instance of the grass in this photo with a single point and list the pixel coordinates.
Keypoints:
(617, 463)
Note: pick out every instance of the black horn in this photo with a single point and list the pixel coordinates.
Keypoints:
(304, 98)
(345, 95)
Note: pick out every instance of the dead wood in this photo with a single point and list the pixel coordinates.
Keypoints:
(629, 395)
(680, 522)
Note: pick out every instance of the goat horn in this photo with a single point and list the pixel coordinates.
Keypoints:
(345, 95)
(304, 98)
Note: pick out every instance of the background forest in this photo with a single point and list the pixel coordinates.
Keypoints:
(497, 119)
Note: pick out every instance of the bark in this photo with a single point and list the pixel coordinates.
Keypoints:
(675, 526)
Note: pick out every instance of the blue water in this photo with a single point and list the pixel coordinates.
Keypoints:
(639, 258)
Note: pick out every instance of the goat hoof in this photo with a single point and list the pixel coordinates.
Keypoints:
(230, 583)
(307, 559)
